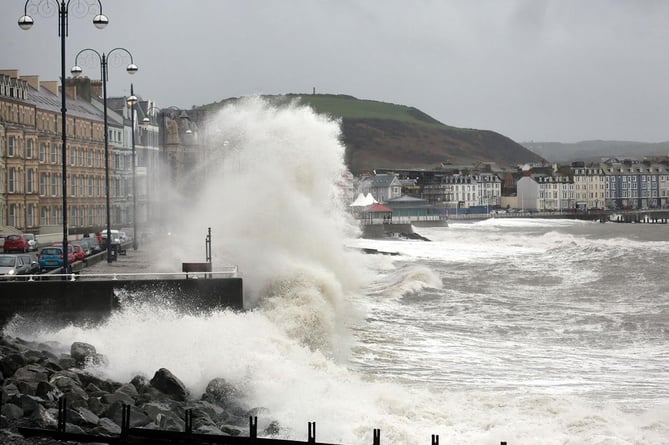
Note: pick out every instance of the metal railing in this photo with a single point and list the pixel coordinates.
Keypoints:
(225, 272)
(144, 436)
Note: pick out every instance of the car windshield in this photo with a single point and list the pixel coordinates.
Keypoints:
(51, 251)
(7, 261)
(29, 236)
(13, 237)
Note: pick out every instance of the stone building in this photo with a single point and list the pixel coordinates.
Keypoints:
(30, 149)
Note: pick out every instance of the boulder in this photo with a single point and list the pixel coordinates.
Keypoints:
(137, 417)
(167, 383)
(42, 418)
(82, 417)
(106, 427)
(80, 352)
(221, 392)
(48, 391)
(11, 411)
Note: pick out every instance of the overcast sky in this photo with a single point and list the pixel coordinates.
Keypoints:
(533, 70)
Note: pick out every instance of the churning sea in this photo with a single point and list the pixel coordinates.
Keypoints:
(537, 330)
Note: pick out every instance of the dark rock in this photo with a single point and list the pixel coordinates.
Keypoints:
(12, 411)
(104, 384)
(140, 382)
(74, 429)
(207, 429)
(66, 362)
(69, 387)
(72, 375)
(221, 392)
(10, 393)
(215, 412)
(31, 373)
(80, 352)
(129, 390)
(230, 430)
(10, 363)
(106, 427)
(30, 403)
(273, 429)
(42, 418)
(137, 417)
(48, 391)
(170, 422)
(83, 417)
(169, 384)
(117, 397)
(96, 406)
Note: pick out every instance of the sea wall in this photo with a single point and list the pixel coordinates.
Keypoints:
(93, 300)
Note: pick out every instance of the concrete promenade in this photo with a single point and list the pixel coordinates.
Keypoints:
(134, 261)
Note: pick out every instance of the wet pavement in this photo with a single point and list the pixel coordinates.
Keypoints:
(133, 262)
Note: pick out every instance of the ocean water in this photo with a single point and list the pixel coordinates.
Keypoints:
(525, 331)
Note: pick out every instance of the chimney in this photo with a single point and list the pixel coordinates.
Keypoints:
(71, 90)
(10, 73)
(51, 86)
(33, 81)
(80, 88)
(96, 88)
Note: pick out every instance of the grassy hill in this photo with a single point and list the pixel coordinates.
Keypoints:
(382, 135)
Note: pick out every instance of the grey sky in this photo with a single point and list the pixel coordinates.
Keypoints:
(558, 70)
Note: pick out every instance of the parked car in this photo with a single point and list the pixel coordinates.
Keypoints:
(51, 257)
(85, 244)
(74, 247)
(32, 242)
(12, 265)
(102, 237)
(16, 243)
(95, 244)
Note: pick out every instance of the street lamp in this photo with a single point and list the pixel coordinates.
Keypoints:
(132, 100)
(45, 7)
(76, 71)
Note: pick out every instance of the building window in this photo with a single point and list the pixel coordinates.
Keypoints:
(54, 184)
(42, 152)
(29, 149)
(11, 146)
(42, 184)
(54, 154)
(30, 215)
(12, 215)
(44, 216)
(29, 180)
(11, 181)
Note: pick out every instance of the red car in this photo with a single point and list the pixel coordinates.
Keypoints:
(75, 249)
(16, 243)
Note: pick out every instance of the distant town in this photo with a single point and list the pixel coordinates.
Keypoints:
(167, 144)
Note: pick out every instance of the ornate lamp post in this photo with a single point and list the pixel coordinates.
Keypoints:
(46, 8)
(132, 100)
(76, 71)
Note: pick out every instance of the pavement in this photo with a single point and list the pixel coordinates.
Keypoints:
(133, 262)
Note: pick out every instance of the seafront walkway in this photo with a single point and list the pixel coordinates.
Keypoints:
(132, 262)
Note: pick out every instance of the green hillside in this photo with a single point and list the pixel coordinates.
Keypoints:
(383, 135)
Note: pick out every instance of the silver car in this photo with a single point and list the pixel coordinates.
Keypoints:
(32, 242)
(13, 265)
